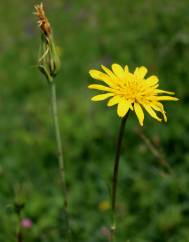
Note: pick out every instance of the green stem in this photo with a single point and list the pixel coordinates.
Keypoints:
(60, 152)
(115, 175)
(19, 234)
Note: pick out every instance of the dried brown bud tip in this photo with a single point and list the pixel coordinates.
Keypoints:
(43, 20)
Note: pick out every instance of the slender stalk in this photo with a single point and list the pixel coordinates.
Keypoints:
(60, 152)
(115, 175)
(19, 235)
(150, 145)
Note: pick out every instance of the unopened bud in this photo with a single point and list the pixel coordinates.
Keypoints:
(49, 60)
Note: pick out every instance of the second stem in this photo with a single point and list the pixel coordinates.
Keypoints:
(60, 152)
(115, 175)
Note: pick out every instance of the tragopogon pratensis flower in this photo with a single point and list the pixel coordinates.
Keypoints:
(131, 91)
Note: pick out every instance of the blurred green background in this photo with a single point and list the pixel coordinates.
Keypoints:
(153, 202)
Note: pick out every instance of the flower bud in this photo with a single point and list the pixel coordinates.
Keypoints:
(49, 59)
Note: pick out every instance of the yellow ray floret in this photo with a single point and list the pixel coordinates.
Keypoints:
(131, 91)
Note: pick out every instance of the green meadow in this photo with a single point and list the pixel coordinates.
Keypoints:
(153, 183)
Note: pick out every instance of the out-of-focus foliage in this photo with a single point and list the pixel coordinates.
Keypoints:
(153, 204)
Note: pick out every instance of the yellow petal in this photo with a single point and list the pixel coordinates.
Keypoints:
(126, 69)
(159, 107)
(166, 98)
(102, 96)
(100, 87)
(140, 72)
(98, 75)
(164, 116)
(162, 91)
(108, 71)
(151, 112)
(158, 104)
(123, 107)
(139, 113)
(118, 70)
(152, 80)
(114, 100)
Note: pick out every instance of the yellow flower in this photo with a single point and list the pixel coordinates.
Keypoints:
(104, 205)
(131, 91)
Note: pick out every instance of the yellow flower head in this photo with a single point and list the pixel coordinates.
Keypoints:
(104, 205)
(131, 91)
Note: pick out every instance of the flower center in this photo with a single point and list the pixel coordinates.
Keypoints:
(133, 90)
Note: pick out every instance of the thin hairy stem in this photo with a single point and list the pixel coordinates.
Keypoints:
(115, 175)
(60, 152)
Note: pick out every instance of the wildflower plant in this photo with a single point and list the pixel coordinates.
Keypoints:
(49, 65)
(130, 92)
